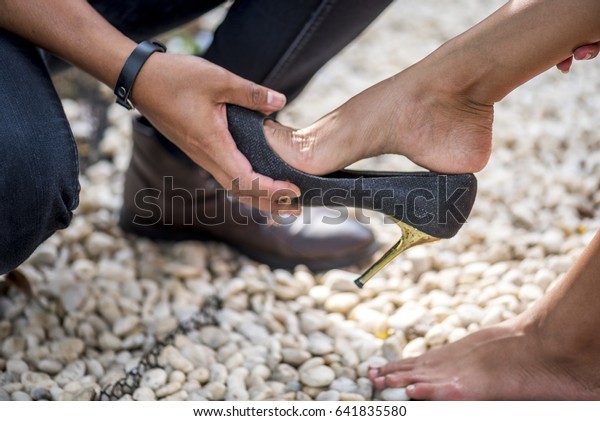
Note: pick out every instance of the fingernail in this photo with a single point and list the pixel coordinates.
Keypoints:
(275, 99)
(588, 56)
(287, 213)
(284, 200)
(373, 372)
(564, 72)
(410, 388)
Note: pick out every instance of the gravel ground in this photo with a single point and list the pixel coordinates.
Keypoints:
(100, 299)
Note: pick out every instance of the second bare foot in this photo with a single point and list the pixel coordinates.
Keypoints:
(511, 361)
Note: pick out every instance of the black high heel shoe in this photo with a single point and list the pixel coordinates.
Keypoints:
(427, 206)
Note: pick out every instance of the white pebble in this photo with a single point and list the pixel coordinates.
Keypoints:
(72, 372)
(530, 292)
(201, 375)
(392, 347)
(16, 366)
(31, 380)
(342, 302)
(407, 316)
(67, 350)
(236, 385)
(20, 396)
(414, 348)
(319, 343)
(437, 335)
(470, 313)
(457, 334)
(328, 395)
(493, 315)
(154, 378)
(125, 325)
(344, 385)
(98, 243)
(294, 356)
(177, 376)
(168, 389)
(144, 394)
(319, 376)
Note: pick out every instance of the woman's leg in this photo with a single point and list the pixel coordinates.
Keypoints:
(439, 112)
(39, 184)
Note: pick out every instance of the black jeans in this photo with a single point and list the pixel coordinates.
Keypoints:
(276, 43)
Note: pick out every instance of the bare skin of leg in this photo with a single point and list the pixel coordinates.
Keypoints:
(548, 352)
(439, 112)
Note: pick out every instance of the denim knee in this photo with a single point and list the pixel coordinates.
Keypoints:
(39, 188)
(39, 185)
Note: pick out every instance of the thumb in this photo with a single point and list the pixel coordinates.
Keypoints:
(253, 96)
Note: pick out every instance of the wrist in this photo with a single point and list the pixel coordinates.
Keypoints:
(131, 69)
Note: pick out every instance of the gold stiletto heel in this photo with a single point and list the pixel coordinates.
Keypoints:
(410, 237)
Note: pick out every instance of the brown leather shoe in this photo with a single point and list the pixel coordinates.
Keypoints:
(168, 197)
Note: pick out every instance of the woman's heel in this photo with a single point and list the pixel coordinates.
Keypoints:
(410, 237)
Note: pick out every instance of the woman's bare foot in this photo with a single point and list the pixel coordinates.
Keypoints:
(505, 362)
(402, 115)
(549, 352)
(439, 112)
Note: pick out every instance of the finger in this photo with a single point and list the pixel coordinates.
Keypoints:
(587, 52)
(252, 184)
(259, 191)
(253, 96)
(279, 212)
(565, 65)
(273, 197)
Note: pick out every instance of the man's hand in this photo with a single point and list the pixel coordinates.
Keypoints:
(586, 52)
(185, 98)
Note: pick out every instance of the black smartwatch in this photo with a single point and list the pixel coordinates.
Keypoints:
(132, 67)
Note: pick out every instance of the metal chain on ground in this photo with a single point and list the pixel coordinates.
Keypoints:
(206, 316)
